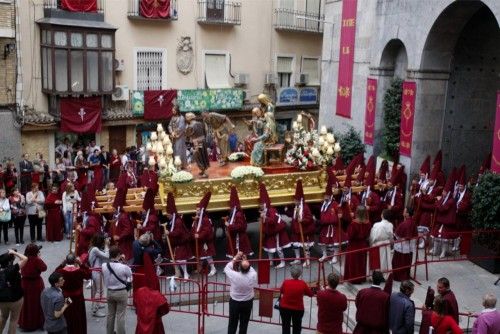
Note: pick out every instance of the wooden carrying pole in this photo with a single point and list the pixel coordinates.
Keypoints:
(168, 242)
(261, 227)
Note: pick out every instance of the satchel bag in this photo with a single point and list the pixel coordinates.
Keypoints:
(277, 303)
(128, 285)
(41, 213)
(5, 216)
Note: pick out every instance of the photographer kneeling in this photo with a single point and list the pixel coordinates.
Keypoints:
(243, 279)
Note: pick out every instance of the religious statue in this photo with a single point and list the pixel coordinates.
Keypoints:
(177, 128)
(256, 115)
(195, 130)
(264, 132)
(267, 107)
(219, 123)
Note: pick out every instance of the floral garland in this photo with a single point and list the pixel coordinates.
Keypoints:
(242, 171)
(304, 155)
(182, 177)
(167, 171)
(237, 156)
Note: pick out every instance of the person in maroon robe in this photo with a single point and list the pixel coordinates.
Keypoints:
(348, 202)
(91, 226)
(275, 238)
(114, 166)
(10, 177)
(74, 273)
(463, 199)
(124, 234)
(404, 246)
(372, 307)
(98, 180)
(151, 305)
(331, 235)
(444, 228)
(303, 228)
(202, 232)
(178, 235)
(426, 205)
(31, 317)
(355, 261)
(54, 220)
(451, 304)
(150, 223)
(382, 172)
(149, 179)
(236, 225)
(393, 199)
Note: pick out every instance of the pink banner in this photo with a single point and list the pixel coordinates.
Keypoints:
(371, 103)
(495, 156)
(407, 116)
(346, 57)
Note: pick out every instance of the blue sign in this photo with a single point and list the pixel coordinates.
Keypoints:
(308, 95)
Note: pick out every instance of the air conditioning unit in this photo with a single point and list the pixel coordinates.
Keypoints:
(121, 93)
(246, 95)
(241, 79)
(118, 65)
(270, 79)
(303, 79)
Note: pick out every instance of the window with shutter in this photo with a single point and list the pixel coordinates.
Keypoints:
(150, 67)
(284, 69)
(310, 66)
(216, 71)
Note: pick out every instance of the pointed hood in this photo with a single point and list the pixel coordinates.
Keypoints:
(264, 196)
(88, 196)
(438, 160)
(370, 179)
(348, 181)
(329, 184)
(361, 174)
(396, 177)
(435, 171)
(121, 191)
(339, 164)
(234, 200)
(149, 200)
(204, 201)
(382, 172)
(299, 191)
(171, 208)
(370, 165)
(450, 182)
(426, 166)
(486, 165)
(462, 179)
(152, 281)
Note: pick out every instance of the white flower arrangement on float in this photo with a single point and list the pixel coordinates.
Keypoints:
(182, 177)
(160, 151)
(237, 156)
(311, 149)
(241, 172)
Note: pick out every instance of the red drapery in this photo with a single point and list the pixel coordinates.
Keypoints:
(346, 57)
(407, 116)
(495, 156)
(79, 5)
(158, 104)
(155, 8)
(81, 115)
(371, 103)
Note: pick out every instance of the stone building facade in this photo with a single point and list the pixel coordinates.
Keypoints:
(449, 48)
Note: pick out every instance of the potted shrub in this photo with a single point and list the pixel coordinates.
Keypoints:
(486, 216)
(351, 144)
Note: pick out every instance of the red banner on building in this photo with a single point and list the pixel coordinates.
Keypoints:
(346, 57)
(407, 116)
(79, 5)
(155, 9)
(81, 115)
(495, 155)
(371, 103)
(158, 104)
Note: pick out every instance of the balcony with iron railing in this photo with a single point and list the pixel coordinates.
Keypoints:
(159, 10)
(295, 20)
(219, 12)
(74, 9)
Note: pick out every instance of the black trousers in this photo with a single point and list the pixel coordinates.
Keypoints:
(19, 228)
(5, 229)
(288, 317)
(35, 222)
(239, 311)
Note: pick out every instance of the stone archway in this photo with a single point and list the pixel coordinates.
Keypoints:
(393, 63)
(457, 83)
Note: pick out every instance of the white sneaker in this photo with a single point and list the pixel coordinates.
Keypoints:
(421, 244)
(212, 272)
(334, 260)
(186, 276)
(281, 265)
(98, 314)
(296, 261)
(443, 255)
(89, 285)
(307, 263)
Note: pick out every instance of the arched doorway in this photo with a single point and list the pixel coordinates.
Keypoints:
(393, 64)
(460, 76)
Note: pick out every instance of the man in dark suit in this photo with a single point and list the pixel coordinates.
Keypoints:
(372, 307)
(26, 168)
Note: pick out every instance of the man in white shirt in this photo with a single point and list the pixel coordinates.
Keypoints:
(382, 235)
(116, 275)
(242, 282)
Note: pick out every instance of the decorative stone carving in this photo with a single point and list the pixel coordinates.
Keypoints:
(185, 55)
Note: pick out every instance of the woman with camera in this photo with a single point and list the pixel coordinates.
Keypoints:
(98, 255)
(31, 317)
(74, 272)
(54, 221)
(11, 292)
(70, 197)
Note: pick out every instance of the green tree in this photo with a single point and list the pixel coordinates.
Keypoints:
(392, 118)
(350, 143)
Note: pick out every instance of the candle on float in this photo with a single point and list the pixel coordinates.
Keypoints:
(160, 148)
(323, 130)
(159, 127)
(299, 118)
(337, 147)
(329, 151)
(177, 161)
(295, 125)
(154, 136)
(151, 161)
(162, 163)
(169, 150)
(148, 146)
(321, 141)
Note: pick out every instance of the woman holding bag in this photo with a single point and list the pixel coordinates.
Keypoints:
(5, 215)
(18, 207)
(35, 201)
